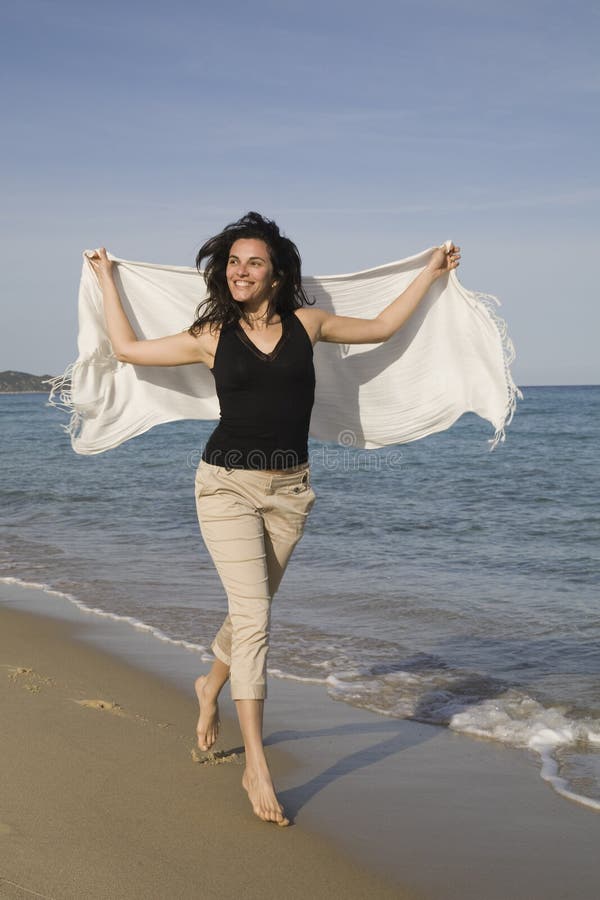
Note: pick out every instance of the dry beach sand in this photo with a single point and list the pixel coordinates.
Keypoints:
(103, 796)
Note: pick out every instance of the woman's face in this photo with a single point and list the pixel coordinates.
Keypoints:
(249, 270)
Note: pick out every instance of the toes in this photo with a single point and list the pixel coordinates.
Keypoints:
(204, 740)
(265, 807)
(280, 820)
(272, 815)
(205, 743)
(281, 817)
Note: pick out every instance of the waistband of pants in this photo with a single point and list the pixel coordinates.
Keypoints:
(262, 478)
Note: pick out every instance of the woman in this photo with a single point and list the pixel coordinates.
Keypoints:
(256, 333)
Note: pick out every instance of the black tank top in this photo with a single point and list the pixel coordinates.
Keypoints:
(266, 399)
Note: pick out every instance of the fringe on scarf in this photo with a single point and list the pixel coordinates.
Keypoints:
(61, 386)
(491, 303)
(61, 397)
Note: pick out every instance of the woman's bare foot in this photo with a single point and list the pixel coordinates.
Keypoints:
(262, 796)
(208, 723)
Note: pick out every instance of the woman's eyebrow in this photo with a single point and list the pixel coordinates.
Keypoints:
(233, 256)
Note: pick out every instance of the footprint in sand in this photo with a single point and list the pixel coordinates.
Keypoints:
(16, 672)
(104, 705)
(109, 706)
(31, 680)
(215, 759)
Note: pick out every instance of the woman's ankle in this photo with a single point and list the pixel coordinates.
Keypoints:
(256, 764)
(210, 687)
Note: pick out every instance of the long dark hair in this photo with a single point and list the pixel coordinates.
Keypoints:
(220, 308)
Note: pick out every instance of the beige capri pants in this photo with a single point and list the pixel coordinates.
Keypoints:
(250, 521)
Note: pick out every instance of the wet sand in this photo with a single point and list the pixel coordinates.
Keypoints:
(104, 795)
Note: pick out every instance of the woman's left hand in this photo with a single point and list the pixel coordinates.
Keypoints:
(443, 260)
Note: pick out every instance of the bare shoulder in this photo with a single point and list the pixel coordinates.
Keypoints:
(312, 320)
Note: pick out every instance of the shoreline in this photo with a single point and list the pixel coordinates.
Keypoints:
(397, 802)
(541, 743)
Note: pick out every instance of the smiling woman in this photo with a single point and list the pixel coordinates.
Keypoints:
(249, 270)
(249, 262)
(253, 493)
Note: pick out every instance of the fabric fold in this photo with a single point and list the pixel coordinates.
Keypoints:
(453, 356)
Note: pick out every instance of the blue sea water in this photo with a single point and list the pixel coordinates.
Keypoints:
(435, 580)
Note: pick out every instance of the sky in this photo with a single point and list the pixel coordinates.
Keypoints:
(369, 131)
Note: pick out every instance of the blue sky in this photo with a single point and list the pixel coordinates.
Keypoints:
(369, 131)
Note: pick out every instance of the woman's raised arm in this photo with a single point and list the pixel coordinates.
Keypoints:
(352, 330)
(174, 350)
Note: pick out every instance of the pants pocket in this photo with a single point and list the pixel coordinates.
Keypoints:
(205, 478)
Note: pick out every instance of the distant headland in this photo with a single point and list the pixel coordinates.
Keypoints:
(23, 383)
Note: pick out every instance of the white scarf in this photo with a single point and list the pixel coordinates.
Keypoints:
(452, 356)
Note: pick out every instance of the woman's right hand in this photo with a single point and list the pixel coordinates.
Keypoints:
(101, 264)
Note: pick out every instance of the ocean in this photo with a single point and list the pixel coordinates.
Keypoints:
(435, 580)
